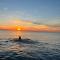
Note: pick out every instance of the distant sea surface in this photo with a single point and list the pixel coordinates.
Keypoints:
(37, 45)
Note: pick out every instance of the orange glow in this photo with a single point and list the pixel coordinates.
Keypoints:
(31, 28)
(18, 29)
(22, 25)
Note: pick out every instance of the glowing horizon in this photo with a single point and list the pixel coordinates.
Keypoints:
(21, 25)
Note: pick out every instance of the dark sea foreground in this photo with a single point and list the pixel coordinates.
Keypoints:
(28, 50)
(39, 46)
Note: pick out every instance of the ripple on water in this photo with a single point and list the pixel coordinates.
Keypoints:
(25, 50)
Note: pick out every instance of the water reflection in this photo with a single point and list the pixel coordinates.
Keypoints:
(39, 46)
(9, 34)
(15, 34)
(35, 51)
(16, 48)
(40, 36)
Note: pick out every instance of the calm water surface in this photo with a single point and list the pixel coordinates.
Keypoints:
(41, 46)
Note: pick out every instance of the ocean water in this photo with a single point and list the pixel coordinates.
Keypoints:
(34, 46)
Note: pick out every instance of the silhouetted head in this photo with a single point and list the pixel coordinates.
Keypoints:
(19, 37)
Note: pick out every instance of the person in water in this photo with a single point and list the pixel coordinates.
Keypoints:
(19, 37)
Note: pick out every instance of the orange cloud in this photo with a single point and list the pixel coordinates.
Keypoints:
(16, 24)
(31, 28)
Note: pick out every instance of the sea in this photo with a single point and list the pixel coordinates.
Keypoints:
(32, 46)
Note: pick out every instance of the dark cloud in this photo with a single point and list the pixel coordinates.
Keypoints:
(54, 25)
(51, 25)
(37, 23)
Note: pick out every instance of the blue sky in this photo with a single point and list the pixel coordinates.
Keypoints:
(39, 11)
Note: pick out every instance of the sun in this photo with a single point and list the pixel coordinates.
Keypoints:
(18, 29)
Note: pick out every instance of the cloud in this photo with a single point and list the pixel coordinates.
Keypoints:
(52, 22)
(54, 25)
(16, 21)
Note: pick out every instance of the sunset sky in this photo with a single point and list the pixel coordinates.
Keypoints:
(30, 15)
